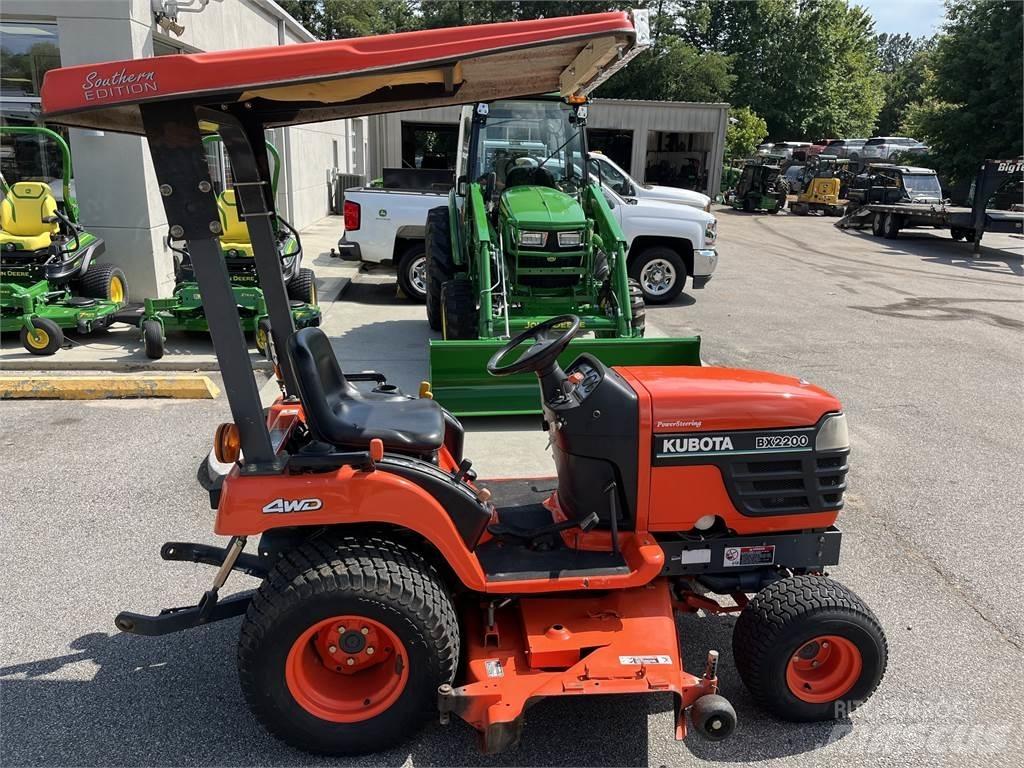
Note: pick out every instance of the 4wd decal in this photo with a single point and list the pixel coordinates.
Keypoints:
(287, 506)
(710, 447)
(120, 83)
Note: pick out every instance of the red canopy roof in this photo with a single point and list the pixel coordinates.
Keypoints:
(307, 82)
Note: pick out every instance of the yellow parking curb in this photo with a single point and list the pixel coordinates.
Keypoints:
(106, 387)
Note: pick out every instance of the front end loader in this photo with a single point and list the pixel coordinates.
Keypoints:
(528, 235)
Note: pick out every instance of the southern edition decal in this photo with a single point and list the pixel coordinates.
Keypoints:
(120, 83)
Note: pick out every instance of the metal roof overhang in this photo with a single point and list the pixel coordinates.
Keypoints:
(312, 82)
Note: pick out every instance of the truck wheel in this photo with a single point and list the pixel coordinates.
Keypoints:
(637, 306)
(45, 338)
(302, 287)
(440, 267)
(459, 314)
(660, 272)
(106, 282)
(808, 649)
(345, 645)
(153, 339)
(877, 224)
(412, 272)
(891, 226)
(958, 234)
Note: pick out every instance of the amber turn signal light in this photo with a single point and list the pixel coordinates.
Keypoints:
(376, 449)
(227, 444)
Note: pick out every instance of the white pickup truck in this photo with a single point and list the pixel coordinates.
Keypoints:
(668, 242)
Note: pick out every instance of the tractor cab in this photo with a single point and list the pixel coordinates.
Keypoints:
(761, 186)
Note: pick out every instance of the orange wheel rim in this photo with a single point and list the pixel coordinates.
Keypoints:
(347, 669)
(823, 669)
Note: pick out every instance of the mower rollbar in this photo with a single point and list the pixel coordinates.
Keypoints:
(172, 129)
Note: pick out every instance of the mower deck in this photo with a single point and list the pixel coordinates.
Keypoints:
(620, 642)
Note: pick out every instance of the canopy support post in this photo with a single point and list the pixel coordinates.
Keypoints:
(172, 130)
(253, 191)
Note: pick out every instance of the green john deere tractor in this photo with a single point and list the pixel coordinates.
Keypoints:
(50, 280)
(527, 236)
(183, 310)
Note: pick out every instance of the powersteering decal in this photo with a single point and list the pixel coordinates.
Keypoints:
(707, 447)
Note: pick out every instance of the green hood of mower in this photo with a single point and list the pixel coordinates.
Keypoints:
(542, 208)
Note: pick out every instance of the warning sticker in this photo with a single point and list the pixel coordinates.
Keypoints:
(762, 555)
(494, 668)
(645, 660)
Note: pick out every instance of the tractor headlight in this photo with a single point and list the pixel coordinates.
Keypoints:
(833, 434)
(570, 239)
(533, 239)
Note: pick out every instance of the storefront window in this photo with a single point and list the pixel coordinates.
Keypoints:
(27, 50)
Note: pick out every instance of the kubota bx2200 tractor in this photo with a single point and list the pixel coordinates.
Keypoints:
(395, 582)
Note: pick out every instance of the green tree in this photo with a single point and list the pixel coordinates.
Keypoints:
(339, 19)
(974, 102)
(746, 130)
(673, 70)
(904, 85)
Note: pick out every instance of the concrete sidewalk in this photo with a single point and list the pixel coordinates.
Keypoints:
(119, 348)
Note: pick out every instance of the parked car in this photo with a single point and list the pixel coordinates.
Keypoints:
(814, 149)
(844, 148)
(794, 177)
(787, 148)
(764, 149)
(881, 149)
(625, 185)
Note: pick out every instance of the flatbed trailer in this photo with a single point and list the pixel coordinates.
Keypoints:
(888, 218)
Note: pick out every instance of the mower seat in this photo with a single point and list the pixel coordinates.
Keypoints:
(339, 413)
(235, 236)
(23, 216)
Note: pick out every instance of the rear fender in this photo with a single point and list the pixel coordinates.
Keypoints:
(250, 505)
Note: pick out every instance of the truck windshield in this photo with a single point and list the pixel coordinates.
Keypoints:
(528, 134)
(922, 185)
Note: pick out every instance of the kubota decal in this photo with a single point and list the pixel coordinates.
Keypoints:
(121, 83)
(287, 506)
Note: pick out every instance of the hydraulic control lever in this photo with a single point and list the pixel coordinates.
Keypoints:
(503, 530)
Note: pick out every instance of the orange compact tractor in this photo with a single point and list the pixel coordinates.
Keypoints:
(395, 582)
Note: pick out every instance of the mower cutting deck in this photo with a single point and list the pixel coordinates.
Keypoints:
(394, 582)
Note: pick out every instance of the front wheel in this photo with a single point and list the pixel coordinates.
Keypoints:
(263, 337)
(153, 339)
(302, 287)
(45, 338)
(808, 649)
(345, 644)
(660, 272)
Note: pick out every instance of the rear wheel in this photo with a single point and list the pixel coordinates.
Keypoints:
(412, 272)
(459, 313)
(345, 644)
(748, 204)
(808, 649)
(877, 220)
(105, 281)
(45, 338)
(891, 226)
(439, 264)
(153, 339)
(302, 287)
(660, 273)
(958, 234)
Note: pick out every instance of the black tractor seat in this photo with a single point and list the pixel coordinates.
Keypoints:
(339, 413)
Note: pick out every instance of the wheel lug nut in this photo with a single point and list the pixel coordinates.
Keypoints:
(369, 651)
(365, 630)
(350, 661)
(332, 649)
(825, 644)
(814, 663)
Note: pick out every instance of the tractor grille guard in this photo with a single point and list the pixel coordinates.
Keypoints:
(788, 484)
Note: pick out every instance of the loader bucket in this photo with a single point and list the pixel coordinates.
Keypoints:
(460, 382)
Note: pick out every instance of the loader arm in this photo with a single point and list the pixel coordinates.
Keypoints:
(610, 239)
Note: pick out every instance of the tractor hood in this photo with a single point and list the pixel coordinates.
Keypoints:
(542, 208)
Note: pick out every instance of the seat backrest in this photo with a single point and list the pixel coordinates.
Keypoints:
(26, 207)
(235, 230)
(321, 383)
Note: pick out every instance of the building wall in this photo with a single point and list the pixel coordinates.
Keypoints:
(114, 178)
(641, 117)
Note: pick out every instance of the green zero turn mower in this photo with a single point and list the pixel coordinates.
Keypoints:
(183, 310)
(49, 278)
(527, 236)
(761, 186)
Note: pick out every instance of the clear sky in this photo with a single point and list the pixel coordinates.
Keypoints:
(918, 17)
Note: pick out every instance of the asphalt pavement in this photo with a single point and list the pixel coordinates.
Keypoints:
(922, 343)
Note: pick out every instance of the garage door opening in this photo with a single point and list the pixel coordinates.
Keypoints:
(616, 144)
(678, 159)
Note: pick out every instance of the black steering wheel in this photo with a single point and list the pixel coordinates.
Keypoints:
(542, 357)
